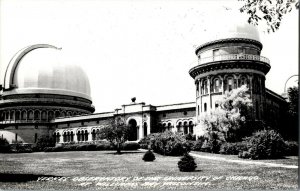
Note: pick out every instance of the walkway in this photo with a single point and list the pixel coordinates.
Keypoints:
(243, 161)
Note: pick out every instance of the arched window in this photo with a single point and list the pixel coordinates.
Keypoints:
(145, 129)
(17, 115)
(191, 127)
(12, 115)
(204, 87)
(23, 115)
(36, 115)
(68, 137)
(82, 135)
(198, 110)
(30, 115)
(64, 137)
(50, 115)
(230, 84)
(179, 127)
(63, 114)
(72, 136)
(78, 136)
(243, 81)
(44, 115)
(205, 107)
(93, 135)
(57, 114)
(86, 135)
(185, 127)
(169, 126)
(216, 85)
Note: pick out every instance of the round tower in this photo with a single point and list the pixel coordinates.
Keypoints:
(227, 62)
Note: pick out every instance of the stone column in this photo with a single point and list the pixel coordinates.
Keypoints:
(209, 105)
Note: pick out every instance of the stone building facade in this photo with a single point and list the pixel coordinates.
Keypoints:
(41, 95)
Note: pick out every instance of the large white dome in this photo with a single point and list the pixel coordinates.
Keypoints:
(43, 69)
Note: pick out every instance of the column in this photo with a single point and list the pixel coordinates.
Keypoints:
(209, 105)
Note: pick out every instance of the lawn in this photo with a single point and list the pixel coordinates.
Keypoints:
(21, 171)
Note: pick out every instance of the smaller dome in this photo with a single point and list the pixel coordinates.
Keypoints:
(232, 24)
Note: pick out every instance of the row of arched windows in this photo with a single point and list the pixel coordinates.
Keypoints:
(36, 115)
(216, 85)
(68, 136)
(82, 135)
(185, 127)
(95, 133)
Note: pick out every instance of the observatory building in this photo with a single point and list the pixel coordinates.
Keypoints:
(43, 95)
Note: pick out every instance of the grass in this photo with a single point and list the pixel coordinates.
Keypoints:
(26, 168)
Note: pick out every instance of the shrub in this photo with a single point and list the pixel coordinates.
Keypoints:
(291, 148)
(149, 156)
(104, 146)
(169, 143)
(130, 146)
(187, 163)
(43, 142)
(145, 142)
(4, 146)
(198, 143)
(212, 142)
(233, 148)
(190, 137)
(244, 154)
(265, 144)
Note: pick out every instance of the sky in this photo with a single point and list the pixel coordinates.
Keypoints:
(141, 49)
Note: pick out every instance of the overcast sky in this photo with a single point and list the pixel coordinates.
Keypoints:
(141, 49)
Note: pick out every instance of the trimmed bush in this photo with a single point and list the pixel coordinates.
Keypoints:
(265, 144)
(291, 148)
(149, 156)
(187, 163)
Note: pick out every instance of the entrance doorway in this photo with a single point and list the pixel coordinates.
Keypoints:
(133, 135)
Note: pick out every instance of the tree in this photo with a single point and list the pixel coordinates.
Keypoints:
(293, 120)
(270, 11)
(293, 95)
(117, 134)
(224, 122)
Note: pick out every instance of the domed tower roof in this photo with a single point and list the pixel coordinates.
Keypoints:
(230, 26)
(42, 69)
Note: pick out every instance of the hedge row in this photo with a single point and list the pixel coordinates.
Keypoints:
(91, 147)
(266, 144)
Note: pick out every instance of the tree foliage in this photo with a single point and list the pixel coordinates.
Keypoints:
(223, 122)
(117, 133)
(269, 11)
(293, 96)
(292, 129)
